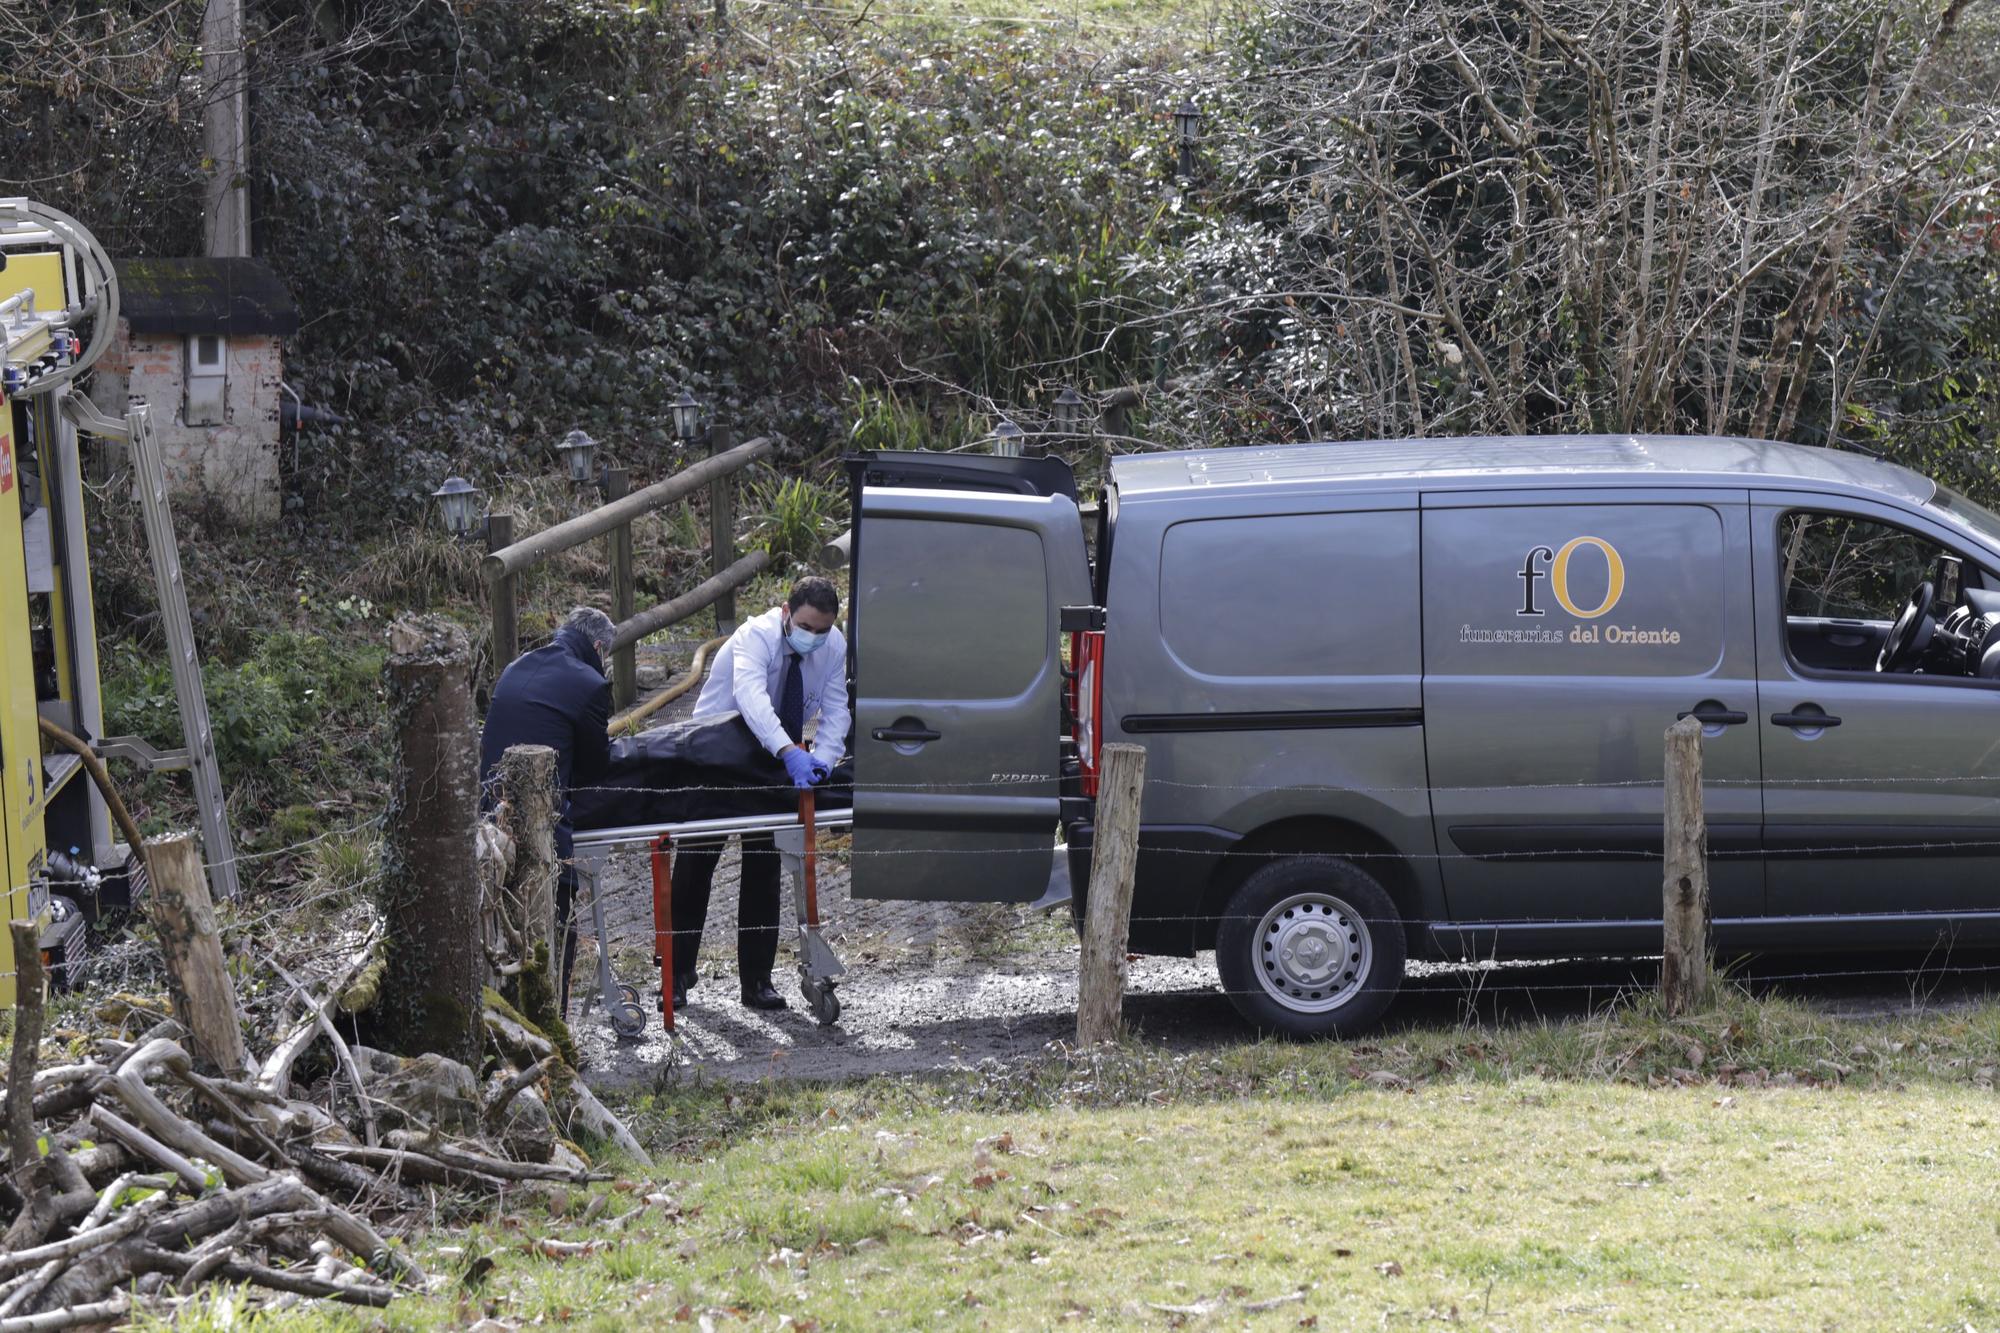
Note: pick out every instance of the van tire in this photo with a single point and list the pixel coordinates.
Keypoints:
(1308, 908)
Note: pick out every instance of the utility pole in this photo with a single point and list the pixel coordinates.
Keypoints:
(225, 129)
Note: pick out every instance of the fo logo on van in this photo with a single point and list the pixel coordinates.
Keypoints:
(1557, 574)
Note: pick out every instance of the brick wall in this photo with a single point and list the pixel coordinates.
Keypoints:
(236, 462)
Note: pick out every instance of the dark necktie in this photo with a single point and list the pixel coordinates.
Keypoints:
(792, 698)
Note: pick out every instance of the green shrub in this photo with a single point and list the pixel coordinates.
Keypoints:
(793, 516)
(273, 715)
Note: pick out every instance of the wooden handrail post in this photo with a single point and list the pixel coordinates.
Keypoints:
(1107, 909)
(722, 527)
(1684, 961)
(625, 659)
(505, 594)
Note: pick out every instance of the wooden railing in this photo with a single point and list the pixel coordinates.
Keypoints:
(509, 558)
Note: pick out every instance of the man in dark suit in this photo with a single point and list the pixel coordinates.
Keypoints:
(557, 696)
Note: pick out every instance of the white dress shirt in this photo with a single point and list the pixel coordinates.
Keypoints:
(749, 674)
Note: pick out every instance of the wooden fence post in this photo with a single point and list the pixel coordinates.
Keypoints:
(198, 981)
(722, 527)
(436, 962)
(527, 775)
(506, 608)
(1108, 907)
(23, 1153)
(1684, 963)
(625, 660)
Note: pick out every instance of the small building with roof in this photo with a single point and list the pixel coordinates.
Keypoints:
(201, 342)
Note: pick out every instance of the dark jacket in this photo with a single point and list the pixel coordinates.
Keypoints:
(555, 696)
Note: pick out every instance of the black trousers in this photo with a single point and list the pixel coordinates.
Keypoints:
(756, 908)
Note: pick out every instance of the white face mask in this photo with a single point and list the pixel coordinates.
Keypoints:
(801, 640)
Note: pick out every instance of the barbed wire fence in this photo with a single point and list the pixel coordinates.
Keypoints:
(1959, 929)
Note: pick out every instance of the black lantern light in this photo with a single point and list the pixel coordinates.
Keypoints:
(457, 500)
(1187, 129)
(579, 452)
(1008, 439)
(687, 418)
(1069, 409)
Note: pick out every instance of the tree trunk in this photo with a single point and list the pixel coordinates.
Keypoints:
(204, 997)
(429, 998)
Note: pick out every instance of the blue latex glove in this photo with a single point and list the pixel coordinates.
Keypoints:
(821, 772)
(800, 766)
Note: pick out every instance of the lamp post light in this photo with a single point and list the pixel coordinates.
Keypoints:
(579, 452)
(457, 499)
(687, 418)
(1008, 439)
(1069, 411)
(1187, 129)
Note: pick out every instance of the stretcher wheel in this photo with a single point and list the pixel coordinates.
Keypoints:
(825, 1005)
(627, 1018)
(631, 994)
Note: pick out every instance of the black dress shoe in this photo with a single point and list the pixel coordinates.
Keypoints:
(760, 995)
(681, 987)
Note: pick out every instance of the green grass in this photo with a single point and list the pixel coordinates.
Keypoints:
(1525, 1204)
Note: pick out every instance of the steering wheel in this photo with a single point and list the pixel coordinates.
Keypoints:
(1902, 647)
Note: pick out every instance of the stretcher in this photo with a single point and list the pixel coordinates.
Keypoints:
(795, 836)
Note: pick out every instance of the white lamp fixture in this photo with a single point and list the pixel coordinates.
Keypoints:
(457, 499)
(1008, 440)
(578, 451)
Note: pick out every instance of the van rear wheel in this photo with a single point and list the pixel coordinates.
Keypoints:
(1311, 946)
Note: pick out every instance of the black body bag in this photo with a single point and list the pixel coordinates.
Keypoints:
(712, 768)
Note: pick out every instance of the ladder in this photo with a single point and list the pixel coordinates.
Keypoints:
(149, 473)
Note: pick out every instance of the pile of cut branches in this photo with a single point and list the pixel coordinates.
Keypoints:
(141, 1171)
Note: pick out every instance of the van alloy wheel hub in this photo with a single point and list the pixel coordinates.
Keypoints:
(1313, 952)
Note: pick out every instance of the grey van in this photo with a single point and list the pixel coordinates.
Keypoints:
(1406, 698)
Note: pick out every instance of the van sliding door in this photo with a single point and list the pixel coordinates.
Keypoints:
(957, 690)
(1563, 634)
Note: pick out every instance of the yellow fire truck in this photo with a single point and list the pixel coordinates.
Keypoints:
(58, 314)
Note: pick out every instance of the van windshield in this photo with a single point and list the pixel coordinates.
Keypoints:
(1968, 514)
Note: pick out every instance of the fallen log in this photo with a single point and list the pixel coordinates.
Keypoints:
(147, 1148)
(598, 1119)
(496, 1109)
(276, 1075)
(98, 1312)
(341, 1050)
(94, 1234)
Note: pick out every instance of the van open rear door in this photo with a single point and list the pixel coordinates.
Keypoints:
(961, 567)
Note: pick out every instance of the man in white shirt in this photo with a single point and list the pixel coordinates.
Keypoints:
(779, 670)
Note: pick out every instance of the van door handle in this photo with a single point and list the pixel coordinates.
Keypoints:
(1714, 715)
(1805, 721)
(906, 731)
